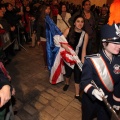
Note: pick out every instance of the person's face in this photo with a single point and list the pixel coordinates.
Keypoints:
(17, 5)
(79, 23)
(32, 18)
(63, 8)
(87, 6)
(112, 48)
(28, 8)
(103, 11)
(3, 9)
(25, 2)
(10, 7)
(55, 2)
(1, 13)
(47, 11)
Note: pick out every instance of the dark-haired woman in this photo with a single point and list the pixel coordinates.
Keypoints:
(78, 40)
(89, 24)
(62, 18)
(26, 22)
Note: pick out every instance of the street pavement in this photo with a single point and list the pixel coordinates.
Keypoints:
(36, 98)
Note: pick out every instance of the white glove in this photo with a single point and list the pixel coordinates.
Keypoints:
(116, 107)
(98, 94)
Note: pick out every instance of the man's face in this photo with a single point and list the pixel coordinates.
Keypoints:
(104, 11)
(87, 6)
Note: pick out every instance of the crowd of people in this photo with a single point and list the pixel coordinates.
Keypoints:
(81, 25)
(23, 20)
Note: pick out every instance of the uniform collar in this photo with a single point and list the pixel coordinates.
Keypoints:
(103, 53)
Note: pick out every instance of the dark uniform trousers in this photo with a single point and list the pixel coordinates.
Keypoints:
(90, 108)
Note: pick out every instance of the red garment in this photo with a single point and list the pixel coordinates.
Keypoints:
(3, 69)
(54, 10)
(26, 21)
(2, 31)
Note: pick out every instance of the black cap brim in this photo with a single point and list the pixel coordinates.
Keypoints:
(115, 41)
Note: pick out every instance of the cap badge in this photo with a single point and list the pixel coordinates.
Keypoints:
(117, 30)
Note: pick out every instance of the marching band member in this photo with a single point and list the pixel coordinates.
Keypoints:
(104, 69)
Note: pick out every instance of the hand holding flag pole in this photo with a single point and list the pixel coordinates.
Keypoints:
(76, 59)
(106, 102)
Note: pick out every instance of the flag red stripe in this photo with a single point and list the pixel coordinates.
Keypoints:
(64, 56)
(57, 72)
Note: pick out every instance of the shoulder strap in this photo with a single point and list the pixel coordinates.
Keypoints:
(103, 73)
(80, 42)
(64, 21)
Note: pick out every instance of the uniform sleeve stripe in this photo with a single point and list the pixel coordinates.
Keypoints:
(116, 98)
(87, 88)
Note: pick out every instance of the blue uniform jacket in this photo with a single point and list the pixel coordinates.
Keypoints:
(89, 73)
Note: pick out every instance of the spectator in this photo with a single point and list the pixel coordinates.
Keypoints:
(54, 9)
(26, 22)
(5, 96)
(13, 19)
(6, 26)
(11, 16)
(41, 30)
(62, 18)
(3, 8)
(33, 25)
(5, 92)
(89, 26)
(102, 19)
(2, 54)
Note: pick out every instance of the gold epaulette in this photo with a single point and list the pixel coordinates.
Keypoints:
(93, 55)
